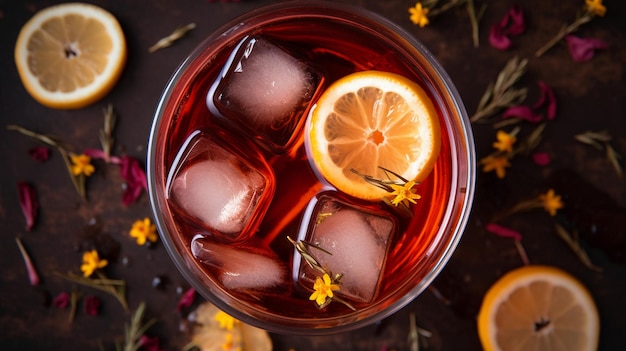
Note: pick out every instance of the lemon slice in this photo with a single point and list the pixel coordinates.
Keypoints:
(373, 119)
(70, 55)
(538, 308)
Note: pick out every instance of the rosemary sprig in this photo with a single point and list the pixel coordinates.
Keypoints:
(64, 150)
(502, 93)
(134, 331)
(170, 39)
(601, 140)
(106, 133)
(303, 249)
(116, 288)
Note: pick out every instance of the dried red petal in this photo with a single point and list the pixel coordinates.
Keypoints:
(92, 305)
(583, 49)
(62, 300)
(147, 343)
(547, 97)
(541, 158)
(517, 25)
(33, 276)
(28, 202)
(503, 231)
(101, 155)
(497, 39)
(522, 112)
(39, 153)
(512, 24)
(186, 300)
(135, 178)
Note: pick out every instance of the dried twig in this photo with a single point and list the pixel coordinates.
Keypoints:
(170, 39)
(573, 244)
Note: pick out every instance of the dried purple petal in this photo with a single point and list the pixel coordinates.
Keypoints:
(583, 49)
(517, 25)
(498, 39)
(135, 178)
(147, 343)
(33, 276)
(62, 300)
(547, 97)
(512, 24)
(92, 305)
(541, 158)
(522, 112)
(101, 155)
(186, 300)
(28, 202)
(503, 231)
(39, 153)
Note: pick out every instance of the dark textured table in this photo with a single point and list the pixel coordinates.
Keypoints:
(590, 95)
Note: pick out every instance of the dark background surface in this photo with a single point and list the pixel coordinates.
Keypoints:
(591, 96)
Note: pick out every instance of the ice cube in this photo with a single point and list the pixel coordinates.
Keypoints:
(241, 269)
(215, 186)
(358, 242)
(265, 89)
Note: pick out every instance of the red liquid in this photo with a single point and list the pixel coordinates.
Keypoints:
(337, 50)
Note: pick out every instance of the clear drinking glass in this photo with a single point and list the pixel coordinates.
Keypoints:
(226, 192)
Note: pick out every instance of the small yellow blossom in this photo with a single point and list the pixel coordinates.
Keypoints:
(143, 230)
(495, 163)
(505, 141)
(91, 262)
(596, 7)
(404, 192)
(419, 14)
(81, 164)
(551, 202)
(323, 289)
(229, 343)
(225, 320)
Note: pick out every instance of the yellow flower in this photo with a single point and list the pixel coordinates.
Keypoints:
(81, 164)
(418, 14)
(323, 289)
(495, 163)
(596, 7)
(404, 192)
(143, 230)
(229, 343)
(551, 202)
(91, 262)
(505, 141)
(225, 320)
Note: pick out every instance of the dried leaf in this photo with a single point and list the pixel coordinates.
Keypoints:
(594, 139)
(575, 246)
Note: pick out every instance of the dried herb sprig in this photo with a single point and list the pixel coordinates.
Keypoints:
(573, 243)
(590, 11)
(170, 39)
(400, 189)
(303, 249)
(136, 329)
(106, 133)
(502, 93)
(65, 151)
(416, 333)
(114, 287)
(601, 140)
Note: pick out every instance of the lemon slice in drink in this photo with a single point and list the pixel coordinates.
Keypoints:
(372, 119)
(70, 55)
(538, 308)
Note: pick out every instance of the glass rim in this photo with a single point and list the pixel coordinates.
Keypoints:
(456, 216)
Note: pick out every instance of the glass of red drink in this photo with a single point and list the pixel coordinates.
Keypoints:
(232, 188)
